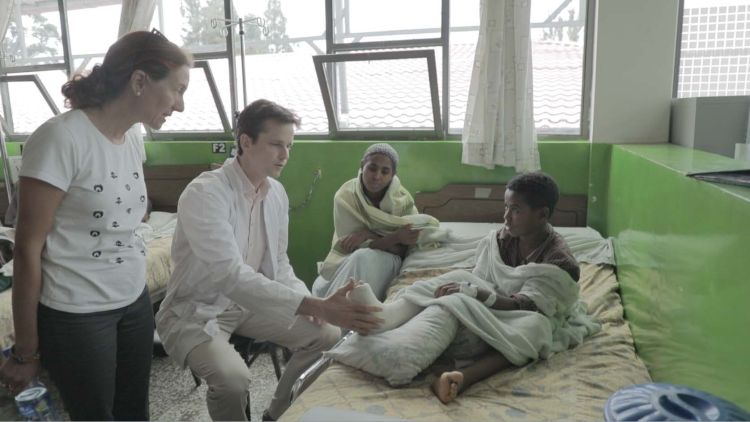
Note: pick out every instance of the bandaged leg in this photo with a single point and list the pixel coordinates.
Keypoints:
(394, 313)
(374, 267)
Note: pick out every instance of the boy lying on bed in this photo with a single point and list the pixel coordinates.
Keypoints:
(535, 277)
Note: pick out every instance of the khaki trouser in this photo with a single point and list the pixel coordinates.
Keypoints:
(225, 372)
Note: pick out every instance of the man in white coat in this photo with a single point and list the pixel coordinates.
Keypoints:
(232, 274)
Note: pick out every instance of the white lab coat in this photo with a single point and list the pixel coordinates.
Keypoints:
(210, 274)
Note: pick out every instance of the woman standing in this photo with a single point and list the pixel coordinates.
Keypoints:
(80, 302)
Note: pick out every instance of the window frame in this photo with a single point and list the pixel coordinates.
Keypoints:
(225, 122)
(327, 91)
(334, 48)
(7, 121)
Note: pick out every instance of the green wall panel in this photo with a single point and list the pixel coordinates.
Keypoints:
(682, 256)
(424, 166)
(598, 186)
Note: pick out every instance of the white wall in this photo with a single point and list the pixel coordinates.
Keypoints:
(634, 56)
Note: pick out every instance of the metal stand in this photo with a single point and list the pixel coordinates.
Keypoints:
(226, 25)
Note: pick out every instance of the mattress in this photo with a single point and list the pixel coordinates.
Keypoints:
(572, 385)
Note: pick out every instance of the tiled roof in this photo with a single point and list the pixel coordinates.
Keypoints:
(380, 94)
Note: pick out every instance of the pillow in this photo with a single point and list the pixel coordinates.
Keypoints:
(400, 354)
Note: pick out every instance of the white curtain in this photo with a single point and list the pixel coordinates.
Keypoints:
(499, 125)
(136, 15)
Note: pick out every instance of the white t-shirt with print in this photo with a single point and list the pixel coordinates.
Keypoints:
(92, 260)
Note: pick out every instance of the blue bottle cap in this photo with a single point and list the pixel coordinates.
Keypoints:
(667, 402)
(32, 393)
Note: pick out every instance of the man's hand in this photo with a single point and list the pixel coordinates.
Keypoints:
(352, 241)
(406, 235)
(338, 310)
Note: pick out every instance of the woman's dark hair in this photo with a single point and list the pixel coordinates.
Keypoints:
(537, 189)
(150, 52)
(253, 118)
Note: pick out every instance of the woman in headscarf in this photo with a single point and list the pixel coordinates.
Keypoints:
(375, 223)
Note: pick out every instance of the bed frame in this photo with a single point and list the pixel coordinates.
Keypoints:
(484, 203)
(165, 183)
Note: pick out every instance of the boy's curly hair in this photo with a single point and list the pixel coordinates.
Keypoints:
(538, 189)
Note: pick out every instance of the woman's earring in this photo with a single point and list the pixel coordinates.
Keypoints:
(138, 94)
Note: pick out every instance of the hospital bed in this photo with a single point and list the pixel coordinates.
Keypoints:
(571, 385)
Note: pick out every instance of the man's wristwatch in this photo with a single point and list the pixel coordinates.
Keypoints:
(23, 359)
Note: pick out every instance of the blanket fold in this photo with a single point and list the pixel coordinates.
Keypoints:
(519, 335)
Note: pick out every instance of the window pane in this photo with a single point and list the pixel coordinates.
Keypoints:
(188, 23)
(201, 114)
(385, 94)
(463, 44)
(29, 109)
(557, 42)
(367, 20)
(93, 27)
(279, 65)
(33, 35)
(715, 48)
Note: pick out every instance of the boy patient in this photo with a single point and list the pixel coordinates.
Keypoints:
(527, 237)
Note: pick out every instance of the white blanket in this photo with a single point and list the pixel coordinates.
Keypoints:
(520, 336)
(459, 249)
(160, 224)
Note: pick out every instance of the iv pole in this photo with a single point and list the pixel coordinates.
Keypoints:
(226, 25)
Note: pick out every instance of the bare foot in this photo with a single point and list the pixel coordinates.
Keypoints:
(446, 386)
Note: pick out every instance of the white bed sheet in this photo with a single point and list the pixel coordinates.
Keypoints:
(586, 244)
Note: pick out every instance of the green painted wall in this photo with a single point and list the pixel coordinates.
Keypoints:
(425, 166)
(682, 256)
(596, 214)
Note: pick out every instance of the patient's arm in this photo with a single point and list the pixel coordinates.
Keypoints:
(394, 313)
(397, 242)
(352, 241)
(501, 303)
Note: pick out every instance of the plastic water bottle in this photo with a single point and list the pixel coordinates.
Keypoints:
(35, 403)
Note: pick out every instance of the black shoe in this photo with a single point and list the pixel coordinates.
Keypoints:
(267, 417)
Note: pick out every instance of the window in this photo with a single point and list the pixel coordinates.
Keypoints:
(192, 24)
(714, 50)
(377, 94)
(29, 103)
(363, 21)
(557, 44)
(279, 65)
(34, 36)
(99, 17)
(201, 114)
(381, 97)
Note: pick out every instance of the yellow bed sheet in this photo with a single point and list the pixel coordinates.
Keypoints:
(572, 385)
(158, 270)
